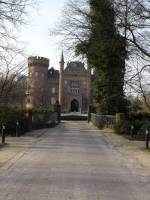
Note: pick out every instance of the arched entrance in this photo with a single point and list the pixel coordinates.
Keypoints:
(74, 105)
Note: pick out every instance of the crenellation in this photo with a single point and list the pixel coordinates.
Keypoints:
(37, 60)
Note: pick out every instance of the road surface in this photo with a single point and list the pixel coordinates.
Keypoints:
(73, 161)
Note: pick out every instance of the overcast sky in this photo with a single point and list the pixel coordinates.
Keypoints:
(36, 32)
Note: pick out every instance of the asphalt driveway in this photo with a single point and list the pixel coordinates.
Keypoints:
(73, 161)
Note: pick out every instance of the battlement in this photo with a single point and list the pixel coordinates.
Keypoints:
(37, 60)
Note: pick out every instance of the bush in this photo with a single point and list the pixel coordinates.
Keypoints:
(139, 116)
(123, 127)
(137, 125)
(73, 117)
(9, 117)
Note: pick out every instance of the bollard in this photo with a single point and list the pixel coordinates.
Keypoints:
(132, 132)
(17, 125)
(3, 134)
(147, 138)
(29, 120)
(89, 113)
(57, 108)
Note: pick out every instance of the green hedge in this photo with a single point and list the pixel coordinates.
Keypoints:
(10, 117)
(74, 117)
(138, 116)
(140, 121)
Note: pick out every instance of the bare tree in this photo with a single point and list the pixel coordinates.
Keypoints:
(133, 21)
(74, 26)
(12, 82)
(137, 79)
(12, 15)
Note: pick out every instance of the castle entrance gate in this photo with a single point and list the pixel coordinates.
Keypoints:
(74, 105)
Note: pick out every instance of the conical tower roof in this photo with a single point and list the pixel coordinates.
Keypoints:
(62, 58)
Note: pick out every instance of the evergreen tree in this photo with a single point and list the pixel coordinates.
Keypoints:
(106, 53)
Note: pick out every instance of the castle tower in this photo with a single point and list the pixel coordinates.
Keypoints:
(61, 79)
(37, 82)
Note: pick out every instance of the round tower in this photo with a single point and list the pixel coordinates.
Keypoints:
(37, 94)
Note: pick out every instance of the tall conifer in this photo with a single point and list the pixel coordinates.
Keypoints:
(106, 53)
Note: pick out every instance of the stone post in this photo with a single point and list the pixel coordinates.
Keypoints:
(89, 112)
(119, 117)
(29, 118)
(57, 108)
(3, 134)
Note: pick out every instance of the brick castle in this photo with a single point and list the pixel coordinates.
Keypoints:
(71, 85)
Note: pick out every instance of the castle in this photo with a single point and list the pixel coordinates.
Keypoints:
(71, 85)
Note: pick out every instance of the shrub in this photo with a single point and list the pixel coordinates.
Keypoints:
(139, 116)
(123, 127)
(73, 117)
(9, 117)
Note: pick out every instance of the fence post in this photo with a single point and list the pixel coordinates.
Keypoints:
(89, 113)
(57, 108)
(147, 138)
(17, 126)
(29, 120)
(119, 117)
(132, 132)
(3, 134)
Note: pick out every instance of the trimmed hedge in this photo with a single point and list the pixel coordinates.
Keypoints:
(10, 117)
(140, 121)
(73, 117)
(138, 116)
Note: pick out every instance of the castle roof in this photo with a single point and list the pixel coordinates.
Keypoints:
(62, 58)
(75, 66)
(53, 74)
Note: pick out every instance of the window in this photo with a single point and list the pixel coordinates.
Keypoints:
(42, 89)
(53, 100)
(53, 90)
(75, 87)
(30, 74)
(36, 74)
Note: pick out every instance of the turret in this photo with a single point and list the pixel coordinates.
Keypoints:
(37, 82)
(62, 62)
